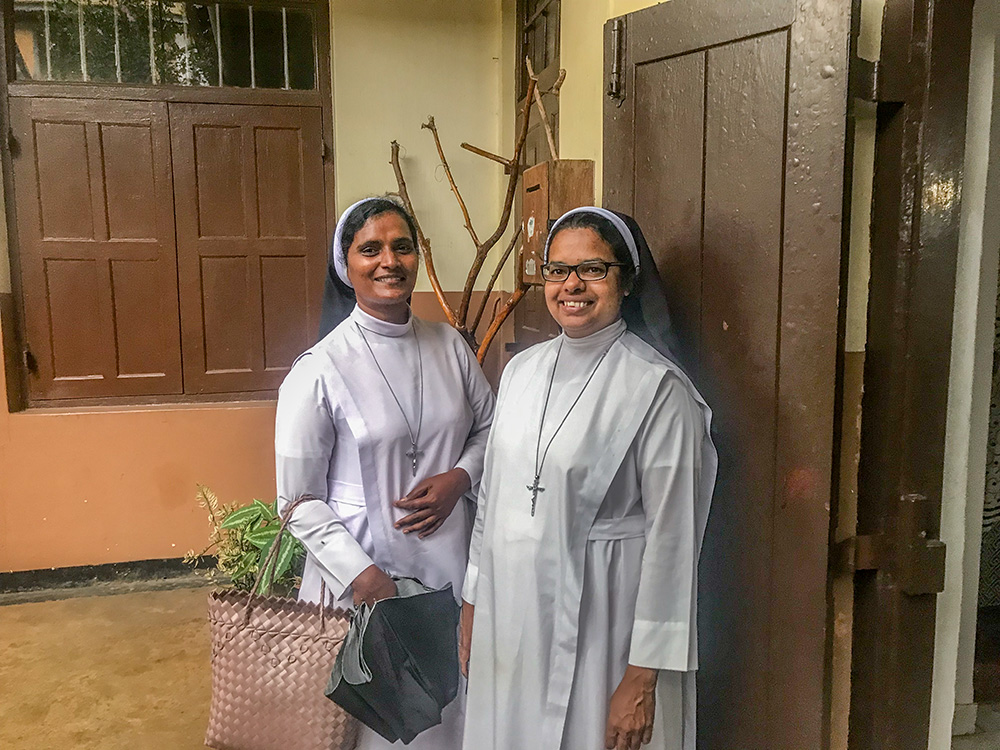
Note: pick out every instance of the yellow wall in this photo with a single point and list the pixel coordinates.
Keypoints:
(395, 62)
(581, 102)
(89, 486)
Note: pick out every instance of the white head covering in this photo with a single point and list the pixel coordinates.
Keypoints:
(616, 222)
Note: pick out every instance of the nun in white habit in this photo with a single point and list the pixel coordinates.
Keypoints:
(599, 473)
(386, 418)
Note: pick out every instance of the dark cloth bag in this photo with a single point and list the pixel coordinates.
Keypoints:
(398, 667)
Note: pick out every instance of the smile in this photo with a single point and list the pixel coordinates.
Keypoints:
(391, 279)
(575, 305)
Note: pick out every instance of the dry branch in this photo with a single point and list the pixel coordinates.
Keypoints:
(553, 151)
(425, 244)
(498, 320)
(492, 157)
(429, 125)
(483, 250)
(493, 279)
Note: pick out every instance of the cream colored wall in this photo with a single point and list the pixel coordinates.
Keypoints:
(394, 63)
(581, 101)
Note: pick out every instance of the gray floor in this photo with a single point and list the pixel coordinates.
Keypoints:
(987, 736)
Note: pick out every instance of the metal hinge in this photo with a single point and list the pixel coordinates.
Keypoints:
(29, 361)
(616, 82)
(916, 562)
(326, 151)
(12, 144)
(864, 80)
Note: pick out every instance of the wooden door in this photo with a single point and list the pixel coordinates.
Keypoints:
(922, 91)
(95, 222)
(725, 138)
(251, 240)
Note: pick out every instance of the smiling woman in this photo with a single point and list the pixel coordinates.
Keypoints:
(386, 418)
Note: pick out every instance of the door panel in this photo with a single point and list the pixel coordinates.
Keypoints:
(251, 240)
(96, 228)
(728, 146)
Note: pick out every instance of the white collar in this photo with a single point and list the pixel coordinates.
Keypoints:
(379, 326)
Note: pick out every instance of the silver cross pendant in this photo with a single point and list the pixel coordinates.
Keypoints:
(534, 489)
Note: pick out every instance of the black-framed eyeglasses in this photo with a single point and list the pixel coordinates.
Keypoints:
(590, 270)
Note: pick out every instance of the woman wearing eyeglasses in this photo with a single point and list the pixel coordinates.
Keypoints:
(598, 478)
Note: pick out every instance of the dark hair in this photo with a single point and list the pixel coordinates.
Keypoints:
(607, 232)
(367, 210)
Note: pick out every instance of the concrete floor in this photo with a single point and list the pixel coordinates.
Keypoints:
(987, 736)
(106, 672)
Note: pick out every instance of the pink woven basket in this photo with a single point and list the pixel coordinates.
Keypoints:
(271, 660)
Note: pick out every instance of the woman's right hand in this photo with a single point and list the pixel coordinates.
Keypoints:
(372, 585)
(465, 636)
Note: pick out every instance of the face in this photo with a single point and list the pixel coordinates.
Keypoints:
(382, 265)
(583, 307)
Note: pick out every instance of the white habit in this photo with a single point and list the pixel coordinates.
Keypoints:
(605, 573)
(339, 435)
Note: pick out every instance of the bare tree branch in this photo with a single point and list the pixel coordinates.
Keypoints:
(554, 90)
(492, 157)
(498, 320)
(508, 205)
(429, 125)
(493, 279)
(422, 240)
(553, 151)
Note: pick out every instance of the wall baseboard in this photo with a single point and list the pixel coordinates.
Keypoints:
(19, 581)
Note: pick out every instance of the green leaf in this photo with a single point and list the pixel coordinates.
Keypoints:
(246, 566)
(265, 511)
(262, 537)
(285, 555)
(246, 515)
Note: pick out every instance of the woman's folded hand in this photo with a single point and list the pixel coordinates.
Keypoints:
(432, 501)
(465, 636)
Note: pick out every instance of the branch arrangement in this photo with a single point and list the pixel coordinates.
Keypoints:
(460, 318)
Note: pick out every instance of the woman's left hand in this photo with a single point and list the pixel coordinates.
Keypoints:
(630, 718)
(432, 501)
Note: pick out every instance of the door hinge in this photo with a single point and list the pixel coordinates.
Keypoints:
(916, 561)
(864, 80)
(29, 361)
(12, 143)
(326, 151)
(616, 81)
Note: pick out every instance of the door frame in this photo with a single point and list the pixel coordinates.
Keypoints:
(810, 322)
(13, 335)
(921, 93)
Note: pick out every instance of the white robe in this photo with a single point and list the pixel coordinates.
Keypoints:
(339, 435)
(605, 574)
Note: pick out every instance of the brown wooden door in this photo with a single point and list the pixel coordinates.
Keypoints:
(922, 93)
(251, 240)
(726, 141)
(96, 229)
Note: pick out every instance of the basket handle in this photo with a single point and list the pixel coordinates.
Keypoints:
(272, 557)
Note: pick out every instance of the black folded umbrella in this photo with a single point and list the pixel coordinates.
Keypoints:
(398, 666)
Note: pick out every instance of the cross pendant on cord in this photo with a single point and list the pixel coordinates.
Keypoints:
(534, 489)
(412, 455)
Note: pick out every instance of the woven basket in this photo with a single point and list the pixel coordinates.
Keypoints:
(271, 659)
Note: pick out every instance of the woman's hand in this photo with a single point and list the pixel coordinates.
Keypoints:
(465, 636)
(432, 501)
(372, 585)
(630, 717)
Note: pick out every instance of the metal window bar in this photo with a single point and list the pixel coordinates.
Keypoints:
(118, 46)
(253, 65)
(284, 44)
(48, 41)
(153, 72)
(218, 40)
(188, 73)
(83, 39)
